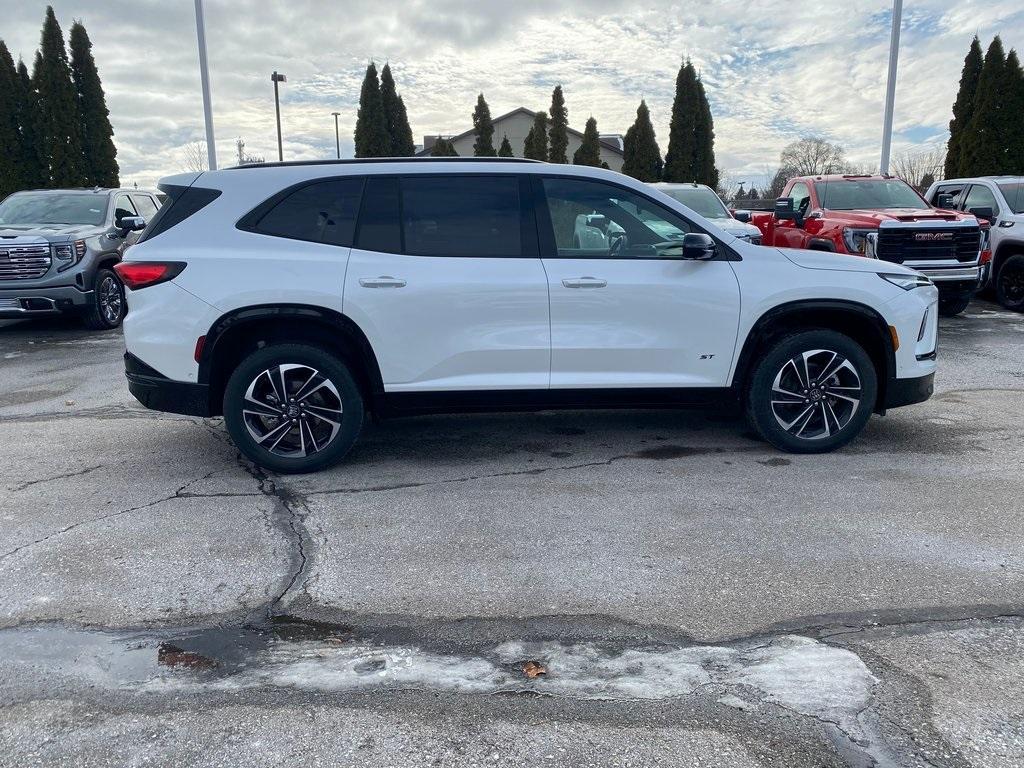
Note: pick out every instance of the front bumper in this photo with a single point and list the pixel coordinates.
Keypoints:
(38, 302)
(958, 279)
(909, 391)
(158, 393)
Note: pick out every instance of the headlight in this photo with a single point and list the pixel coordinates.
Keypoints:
(906, 282)
(69, 253)
(856, 239)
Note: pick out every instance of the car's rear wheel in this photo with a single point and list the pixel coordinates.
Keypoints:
(107, 308)
(951, 306)
(811, 392)
(293, 408)
(1010, 283)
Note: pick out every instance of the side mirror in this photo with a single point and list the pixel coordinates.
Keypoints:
(743, 216)
(944, 200)
(785, 209)
(130, 224)
(983, 212)
(698, 247)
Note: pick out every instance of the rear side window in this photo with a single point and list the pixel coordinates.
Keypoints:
(378, 219)
(461, 216)
(323, 212)
(181, 203)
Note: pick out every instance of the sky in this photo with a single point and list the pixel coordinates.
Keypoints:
(773, 72)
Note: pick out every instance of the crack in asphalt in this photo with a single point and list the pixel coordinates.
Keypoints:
(62, 476)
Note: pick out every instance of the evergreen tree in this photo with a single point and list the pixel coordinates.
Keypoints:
(589, 152)
(984, 143)
(11, 179)
(372, 139)
(443, 148)
(536, 145)
(32, 168)
(641, 156)
(963, 107)
(1013, 106)
(926, 181)
(682, 137)
(100, 155)
(396, 120)
(484, 129)
(558, 137)
(506, 149)
(704, 168)
(59, 132)
(752, 194)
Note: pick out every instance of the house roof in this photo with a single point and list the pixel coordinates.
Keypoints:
(605, 143)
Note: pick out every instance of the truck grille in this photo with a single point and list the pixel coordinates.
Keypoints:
(24, 262)
(938, 244)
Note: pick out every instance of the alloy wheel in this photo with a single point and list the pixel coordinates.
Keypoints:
(292, 410)
(1011, 283)
(110, 300)
(815, 394)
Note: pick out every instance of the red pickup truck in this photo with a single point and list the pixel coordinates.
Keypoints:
(885, 218)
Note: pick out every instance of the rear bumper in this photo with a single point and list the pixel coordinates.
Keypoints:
(38, 302)
(909, 391)
(158, 393)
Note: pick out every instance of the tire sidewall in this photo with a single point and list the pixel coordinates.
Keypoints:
(1014, 263)
(96, 319)
(758, 395)
(334, 368)
(951, 306)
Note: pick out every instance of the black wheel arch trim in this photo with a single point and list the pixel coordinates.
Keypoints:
(821, 244)
(760, 332)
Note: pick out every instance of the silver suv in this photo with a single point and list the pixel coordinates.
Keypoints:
(58, 249)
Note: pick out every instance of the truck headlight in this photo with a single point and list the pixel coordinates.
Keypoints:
(69, 254)
(856, 239)
(906, 282)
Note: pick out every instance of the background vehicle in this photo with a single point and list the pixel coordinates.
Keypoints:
(1000, 201)
(58, 248)
(885, 218)
(293, 298)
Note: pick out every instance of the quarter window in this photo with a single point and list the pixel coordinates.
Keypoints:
(462, 216)
(590, 219)
(323, 212)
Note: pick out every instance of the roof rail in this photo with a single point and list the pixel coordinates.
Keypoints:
(364, 160)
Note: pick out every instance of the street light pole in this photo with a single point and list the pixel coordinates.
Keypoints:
(337, 135)
(278, 78)
(204, 76)
(890, 90)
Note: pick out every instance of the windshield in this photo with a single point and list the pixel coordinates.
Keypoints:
(703, 201)
(868, 194)
(1014, 194)
(49, 208)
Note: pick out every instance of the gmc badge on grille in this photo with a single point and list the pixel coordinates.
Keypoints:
(933, 236)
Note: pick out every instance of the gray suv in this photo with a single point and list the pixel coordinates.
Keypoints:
(58, 247)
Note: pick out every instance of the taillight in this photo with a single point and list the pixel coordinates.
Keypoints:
(142, 274)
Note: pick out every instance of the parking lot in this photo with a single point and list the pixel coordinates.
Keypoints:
(558, 588)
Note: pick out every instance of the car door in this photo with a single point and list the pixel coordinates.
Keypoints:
(631, 312)
(446, 282)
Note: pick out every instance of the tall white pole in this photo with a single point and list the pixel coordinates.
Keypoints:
(204, 74)
(890, 90)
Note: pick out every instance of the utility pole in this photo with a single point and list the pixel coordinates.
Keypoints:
(337, 135)
(278, 78)
(204, 76)
(890, 90)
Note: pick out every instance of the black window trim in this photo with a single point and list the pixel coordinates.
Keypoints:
(250, 221)
(546, 231)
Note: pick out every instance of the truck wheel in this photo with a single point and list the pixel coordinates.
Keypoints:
(107, 308)
(951, 306)
(1010, 283)
(293, 408)
(811, 392)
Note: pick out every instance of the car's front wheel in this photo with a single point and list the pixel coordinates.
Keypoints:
(1010, 283)
(108, 307)
(951, 306)
(811, 392)
(293, 408)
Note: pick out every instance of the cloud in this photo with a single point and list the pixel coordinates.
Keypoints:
(771, 77)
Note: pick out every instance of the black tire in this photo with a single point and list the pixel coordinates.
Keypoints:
(1010, 283)
(108, 307)
(951, 306)
(298, 435)
(824, 418)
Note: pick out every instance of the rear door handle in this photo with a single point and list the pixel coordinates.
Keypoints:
(384, 281)
(585, 282)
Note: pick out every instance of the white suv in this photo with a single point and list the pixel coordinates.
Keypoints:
(294, 298)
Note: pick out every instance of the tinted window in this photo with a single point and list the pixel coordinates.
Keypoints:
(461, 216)
(378, 217)
(591, 219)
(1014, 194)
(323, 212)
(49, 208)
(145, 206)
(953, 190)
(981, 197)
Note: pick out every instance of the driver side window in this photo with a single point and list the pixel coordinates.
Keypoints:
(123, 208)
(591, 219)
(801, 197)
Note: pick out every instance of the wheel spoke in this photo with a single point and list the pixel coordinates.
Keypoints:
(788, 427)
(794, 397)
(279, 431)
(849, 399)
(329, 415)
(303, 424)
(254, 406)
(810, 416)
(300, 393)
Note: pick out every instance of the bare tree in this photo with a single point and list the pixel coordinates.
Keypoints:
(812, 156)
(918, 167)
(193, 156)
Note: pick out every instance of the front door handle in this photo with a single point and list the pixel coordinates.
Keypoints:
(384, 281)
(585, 282)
